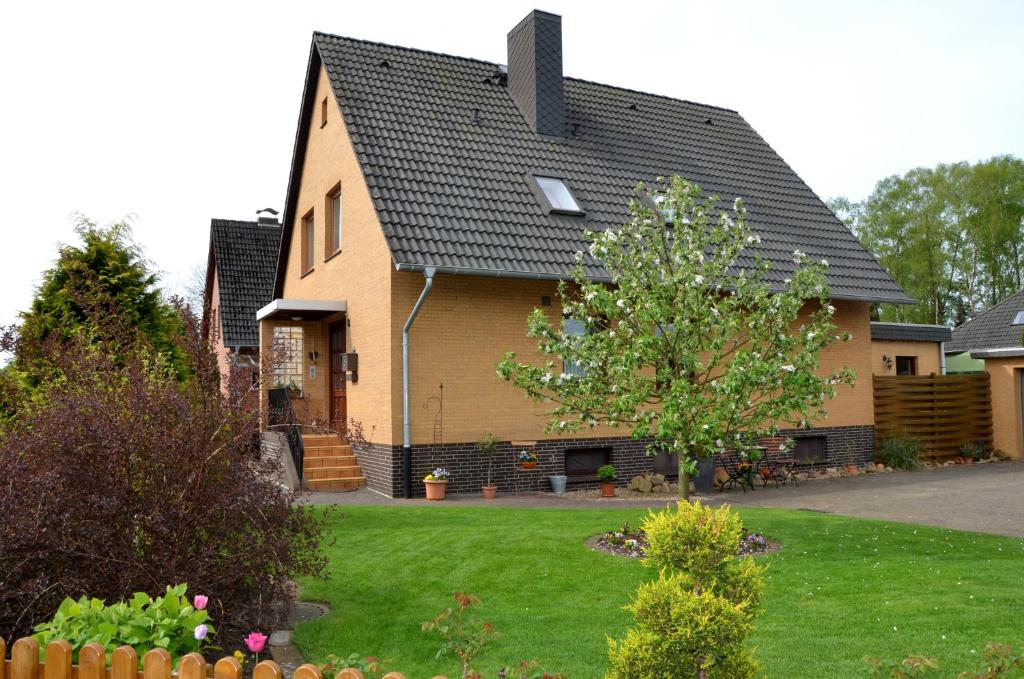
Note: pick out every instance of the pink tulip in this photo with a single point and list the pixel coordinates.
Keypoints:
(256, 641)
(200, 601)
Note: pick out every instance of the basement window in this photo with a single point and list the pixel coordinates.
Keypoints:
(558, 196)
(582, 464)
(810, 449)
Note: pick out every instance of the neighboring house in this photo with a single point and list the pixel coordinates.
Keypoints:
(908, 348)
(434, 201)
(239, 281)
(994, 337)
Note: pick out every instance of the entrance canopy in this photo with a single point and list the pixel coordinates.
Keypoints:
(300, 310)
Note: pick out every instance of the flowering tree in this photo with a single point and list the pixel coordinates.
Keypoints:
(691, 344)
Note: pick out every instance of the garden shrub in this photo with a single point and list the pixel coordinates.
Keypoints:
(121, 477)
(974, 450)
(170, 622)
(901, 453)
(692, 621)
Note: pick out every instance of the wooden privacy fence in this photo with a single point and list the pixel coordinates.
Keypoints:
(941, 412)
(124, 664)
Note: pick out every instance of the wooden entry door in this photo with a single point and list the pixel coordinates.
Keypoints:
(338, 410)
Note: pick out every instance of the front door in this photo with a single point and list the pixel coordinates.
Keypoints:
(338, 412)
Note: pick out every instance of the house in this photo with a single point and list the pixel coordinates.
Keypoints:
(434, 201)
(995, 339)
(240, 272)
(908, 348)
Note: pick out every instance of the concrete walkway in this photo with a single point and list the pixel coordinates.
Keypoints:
(988, 498)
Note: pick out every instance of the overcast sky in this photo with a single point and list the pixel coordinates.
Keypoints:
(179, 115)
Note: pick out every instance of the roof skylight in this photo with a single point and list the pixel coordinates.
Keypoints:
(558, 194)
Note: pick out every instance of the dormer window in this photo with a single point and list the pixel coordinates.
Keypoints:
(557, 195)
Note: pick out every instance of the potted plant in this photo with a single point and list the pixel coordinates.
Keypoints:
(488, 446)
(606, 475)
(436, 483)
(527, 458)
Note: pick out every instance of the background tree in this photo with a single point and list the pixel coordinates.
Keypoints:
(97, 289)
(685, 346)
(952, 236)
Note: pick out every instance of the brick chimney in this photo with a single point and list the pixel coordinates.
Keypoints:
(535, 71)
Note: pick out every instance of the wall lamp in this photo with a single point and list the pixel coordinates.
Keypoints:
(887, 360)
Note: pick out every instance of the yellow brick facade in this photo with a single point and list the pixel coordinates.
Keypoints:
(928, 354)
(468, 323)
(359, 274)
(463, 330)
(1005, 376)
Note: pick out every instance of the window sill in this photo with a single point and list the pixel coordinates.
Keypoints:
(332, 255)
(307, 272)
(323, 124)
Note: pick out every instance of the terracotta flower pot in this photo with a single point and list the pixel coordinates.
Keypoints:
(435, 489)
(851, 469)
(528, 465)
(489, 492)
(607, 490)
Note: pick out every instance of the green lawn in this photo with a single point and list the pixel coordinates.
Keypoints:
(840, 590)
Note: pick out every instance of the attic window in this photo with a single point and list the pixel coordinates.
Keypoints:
(1019, 318)
(558, 195)
(323, 112)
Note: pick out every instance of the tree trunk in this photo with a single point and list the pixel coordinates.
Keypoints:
(684, 479)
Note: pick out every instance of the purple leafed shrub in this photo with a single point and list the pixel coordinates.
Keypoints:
(119, 475)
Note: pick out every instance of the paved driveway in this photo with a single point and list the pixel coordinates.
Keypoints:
(988, 498)
(985, 497)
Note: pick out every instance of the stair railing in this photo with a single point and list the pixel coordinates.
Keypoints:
(281, 415)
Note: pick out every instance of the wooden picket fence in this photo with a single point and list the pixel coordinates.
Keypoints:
(124, 664)
(941, 411)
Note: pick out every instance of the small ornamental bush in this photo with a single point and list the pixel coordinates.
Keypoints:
(606, 474)
(694, 619)
(488, 447)
(973, 450)
(901, 453)
(170, 622)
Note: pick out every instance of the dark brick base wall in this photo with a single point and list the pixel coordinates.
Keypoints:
(382, 464)
(844, 445)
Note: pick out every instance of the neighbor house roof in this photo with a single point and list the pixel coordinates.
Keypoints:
(991, 329)
(910, 332)
(244, 255)
(446, 156)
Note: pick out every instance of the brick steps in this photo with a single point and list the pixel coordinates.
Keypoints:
(330, 464)
(335, 484)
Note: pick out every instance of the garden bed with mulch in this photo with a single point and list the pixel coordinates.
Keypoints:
(632, 543)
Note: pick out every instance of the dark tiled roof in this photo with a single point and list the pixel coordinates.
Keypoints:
(453, 193)
(245, 255)
(990, 329)
(910, 332)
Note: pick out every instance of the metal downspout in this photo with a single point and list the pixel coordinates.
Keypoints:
(428, 273)
(942, 357)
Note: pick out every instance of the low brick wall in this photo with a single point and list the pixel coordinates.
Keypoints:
(382, 464)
